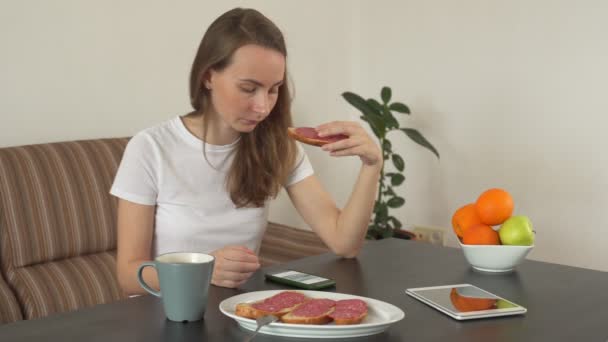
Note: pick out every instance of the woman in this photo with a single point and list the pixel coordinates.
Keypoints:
(202, 182)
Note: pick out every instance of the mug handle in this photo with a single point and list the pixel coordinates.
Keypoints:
(141, 280)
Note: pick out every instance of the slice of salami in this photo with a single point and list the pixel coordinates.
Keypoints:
(314, 307)
(349, 308)
(280, 301)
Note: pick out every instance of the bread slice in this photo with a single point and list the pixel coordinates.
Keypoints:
(277, 305)
(313, 311)
(308, 135)
(349, 311)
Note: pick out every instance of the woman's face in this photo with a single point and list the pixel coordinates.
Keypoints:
(244, 93)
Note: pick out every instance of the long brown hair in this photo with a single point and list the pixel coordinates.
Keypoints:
(265, 157)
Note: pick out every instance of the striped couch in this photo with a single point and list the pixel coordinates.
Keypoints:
(57, 226)
(58, 234)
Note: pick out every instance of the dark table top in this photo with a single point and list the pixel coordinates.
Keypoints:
(564, 303)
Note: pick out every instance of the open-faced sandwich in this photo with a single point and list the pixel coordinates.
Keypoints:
(277, 305)
(308, 135)
(313, 311)
(296, 308)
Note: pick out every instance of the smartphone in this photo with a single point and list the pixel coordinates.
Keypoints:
(465, 301)
(300, 279)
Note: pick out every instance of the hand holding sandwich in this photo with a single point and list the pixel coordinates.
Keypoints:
(358, 143)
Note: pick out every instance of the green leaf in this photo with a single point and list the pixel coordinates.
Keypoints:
(375, 105)
(396, 223)
(373, 118)
(386, 145)
(386, 93)
(377, 125)
(389, 119)
(399, 107)
(397, 179)
(382, 213)
(378, 206)
(398, 162)
(373, 232)
(389, 191)
(395, 202)
(356, 100)
(387, 234)
(419, 139)
(382, 224)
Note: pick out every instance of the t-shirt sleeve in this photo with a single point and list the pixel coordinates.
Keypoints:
(302, 169)
(137, 176)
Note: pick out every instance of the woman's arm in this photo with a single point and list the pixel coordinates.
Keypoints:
(135, 231)
(342, 230)
(233, 264)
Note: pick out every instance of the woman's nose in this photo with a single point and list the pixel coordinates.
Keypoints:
(261, 104)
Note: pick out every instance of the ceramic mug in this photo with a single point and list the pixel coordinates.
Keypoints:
(184, 280)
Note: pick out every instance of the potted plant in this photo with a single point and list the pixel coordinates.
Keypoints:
(379, 116)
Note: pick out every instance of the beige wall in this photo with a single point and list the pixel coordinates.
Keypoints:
(512, 93)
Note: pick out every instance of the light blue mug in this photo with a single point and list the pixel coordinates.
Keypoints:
(184, 280)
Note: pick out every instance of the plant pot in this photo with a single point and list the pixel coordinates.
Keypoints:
(404, 234)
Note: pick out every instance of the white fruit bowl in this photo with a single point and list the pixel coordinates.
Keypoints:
(495, 258)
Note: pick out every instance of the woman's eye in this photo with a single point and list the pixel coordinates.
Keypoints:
(248, 90)
(274, 90)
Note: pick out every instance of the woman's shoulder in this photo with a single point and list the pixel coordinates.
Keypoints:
(159, 132)
(153, 139)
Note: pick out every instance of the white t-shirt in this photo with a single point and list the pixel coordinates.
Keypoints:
(164, 166)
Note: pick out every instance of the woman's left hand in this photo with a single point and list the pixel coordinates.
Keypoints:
(359, 143)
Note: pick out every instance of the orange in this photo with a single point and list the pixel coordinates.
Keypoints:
(480, 234)
(464, 218)
(464, 304)
(494, 206)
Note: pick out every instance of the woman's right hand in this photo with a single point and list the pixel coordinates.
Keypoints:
(233, 265)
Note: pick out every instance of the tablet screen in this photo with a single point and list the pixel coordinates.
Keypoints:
(462, 299)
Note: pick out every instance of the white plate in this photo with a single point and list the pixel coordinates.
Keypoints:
(380, 315)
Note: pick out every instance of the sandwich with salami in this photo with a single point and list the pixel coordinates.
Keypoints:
(309, 135)
(277, 305)
(296, 308)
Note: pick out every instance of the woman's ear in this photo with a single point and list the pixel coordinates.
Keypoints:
(208, 79)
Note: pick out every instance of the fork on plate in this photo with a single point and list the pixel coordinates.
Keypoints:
(262, 321)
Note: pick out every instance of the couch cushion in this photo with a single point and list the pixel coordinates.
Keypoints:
(54, 200)
(9, 308)
(66, 285)
(282, 243)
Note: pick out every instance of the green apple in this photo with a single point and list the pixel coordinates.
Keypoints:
(517, 230)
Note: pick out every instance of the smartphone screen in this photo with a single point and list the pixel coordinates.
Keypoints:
(300, 279)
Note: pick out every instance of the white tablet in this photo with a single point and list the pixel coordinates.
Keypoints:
(465, 301)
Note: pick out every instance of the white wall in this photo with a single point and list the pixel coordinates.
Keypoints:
(78, 70)
(509, 92)
(513, 94)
